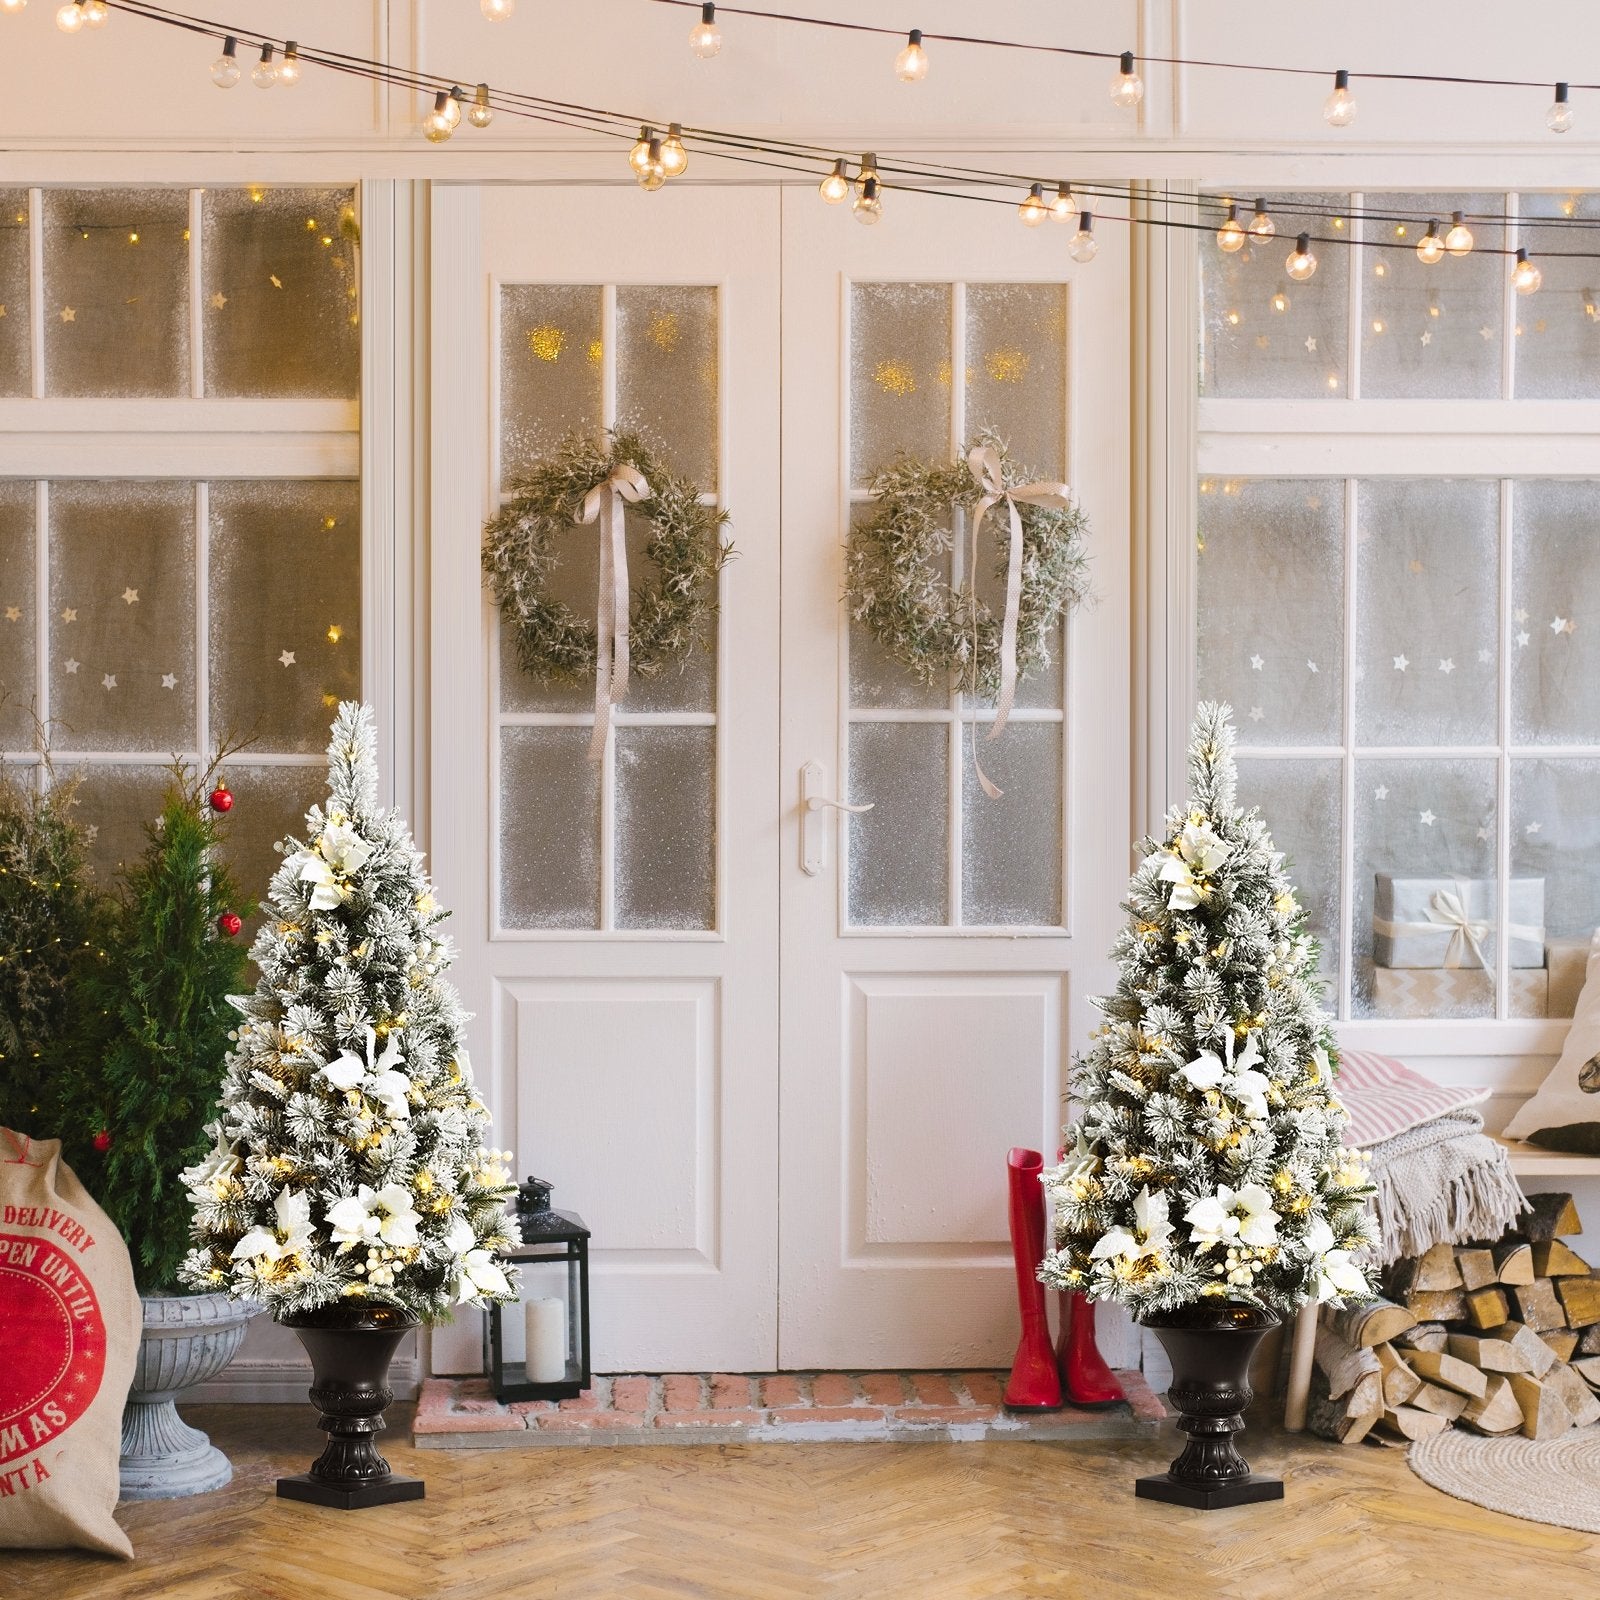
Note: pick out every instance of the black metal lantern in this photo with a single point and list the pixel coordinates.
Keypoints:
(548, 1238)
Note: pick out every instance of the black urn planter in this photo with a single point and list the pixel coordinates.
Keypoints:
(1210, 1346)
(350, 1349)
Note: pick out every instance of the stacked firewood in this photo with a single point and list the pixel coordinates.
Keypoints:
(1501, 1338)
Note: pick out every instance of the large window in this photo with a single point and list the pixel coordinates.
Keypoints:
(1398, 589)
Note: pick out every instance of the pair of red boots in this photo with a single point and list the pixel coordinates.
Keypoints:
(1074, 1373)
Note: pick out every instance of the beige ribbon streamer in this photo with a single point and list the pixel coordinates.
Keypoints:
(984, 461)
(1447, 909)
(604, 503)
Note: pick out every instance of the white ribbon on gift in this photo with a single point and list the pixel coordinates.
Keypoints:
(604, 503)
(1448, 909)
(984, 462)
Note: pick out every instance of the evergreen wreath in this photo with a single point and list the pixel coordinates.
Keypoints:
(893, 585)
(520, 551)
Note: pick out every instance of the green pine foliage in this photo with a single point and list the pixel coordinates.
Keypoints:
(1205, 1162)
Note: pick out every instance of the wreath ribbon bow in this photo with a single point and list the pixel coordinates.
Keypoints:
(604, 503)
(984, 462)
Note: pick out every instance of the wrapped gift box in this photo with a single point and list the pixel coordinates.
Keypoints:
(1417, 922)
(1568, 963)
(1455, 992)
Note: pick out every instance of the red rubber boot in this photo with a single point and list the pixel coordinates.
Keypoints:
(1035, 1385)
(1088, 1382)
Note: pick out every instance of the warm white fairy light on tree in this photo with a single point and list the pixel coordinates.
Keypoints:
(1206, 1164)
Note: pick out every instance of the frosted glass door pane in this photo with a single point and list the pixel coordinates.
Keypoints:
(667, 342)
(1301, 802)
(116, 806)
(271, 806)
(549, 829)
(282, 292)
(1016, 375)
(1422, 819)
(1271, 605)
(1431, 332)
(1011, 867)
(899, 374)
(16, 365)
(1555, 835)
(122, 601)
(684, 683)
(666, 827)
(285, 631)
(899, 851)
(1427, 610)
(19, 620)
(116, 292)
(551, 362)
(1558, 352)
(1555, 621)
(1265, 335)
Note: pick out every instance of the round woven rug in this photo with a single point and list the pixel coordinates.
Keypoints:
(1557, 1481)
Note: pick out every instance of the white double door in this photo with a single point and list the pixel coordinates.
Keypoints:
(773, 1054)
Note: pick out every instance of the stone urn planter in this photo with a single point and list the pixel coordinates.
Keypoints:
(188, 1339)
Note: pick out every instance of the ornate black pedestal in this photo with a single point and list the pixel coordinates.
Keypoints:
(1210, 1347)
(350, 1352)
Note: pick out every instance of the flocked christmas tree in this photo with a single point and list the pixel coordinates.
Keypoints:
(349, 1166)
(1205, 1162)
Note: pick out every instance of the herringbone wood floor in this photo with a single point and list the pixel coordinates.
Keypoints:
(814, 1522)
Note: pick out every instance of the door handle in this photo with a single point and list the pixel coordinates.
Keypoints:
(813, 825)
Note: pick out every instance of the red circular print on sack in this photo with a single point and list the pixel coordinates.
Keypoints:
(55, 1346)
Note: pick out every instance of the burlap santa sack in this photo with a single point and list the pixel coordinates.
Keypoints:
(69, 1336)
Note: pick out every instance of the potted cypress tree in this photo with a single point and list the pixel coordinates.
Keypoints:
(1207, 1189)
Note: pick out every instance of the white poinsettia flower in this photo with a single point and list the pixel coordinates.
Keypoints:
(1211, 1220)
(398, 1218)
(1199, 845)
(1195, 856)
(1258, 1222)
(1337, 1274)
(341, 853)
(1151, 1231)
(1237, 1079)
(1248, 1091)
(378, 1077)
(478, 1273)
(292, 1233)
(1206, 1071)
(350, 1219)
(373, 1216)
(1321, 1067)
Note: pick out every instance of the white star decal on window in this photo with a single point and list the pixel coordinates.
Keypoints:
(70, 614)
(1559, 625)
(1483, 836)
(1447, 666)
(72, 666)
(169, 680)
(1426, 336)
(1381, 792)
(1400, 663)
(1256, 713)
(109, 681)
(13, 613)
(1257, 663)
(1427, 819)
(1312, 665)
(1521, 613)
(1524, 639)
(131, 596)
(1311, 343)
(1485, 333)
(1533, 827)
(1485, 657)
(286, 658)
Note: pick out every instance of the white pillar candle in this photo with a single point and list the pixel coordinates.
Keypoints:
(546, 1323)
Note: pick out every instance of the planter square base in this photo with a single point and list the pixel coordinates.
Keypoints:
(1240, 1492)
(355, 1498)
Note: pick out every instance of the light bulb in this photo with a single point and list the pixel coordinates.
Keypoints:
(835, 188)
(10, 8)
(497, 10)
(1033, 210)
(1558, 119)
(1430, 247)
(655, 172)
(639, 155)
(911, 65)
(674, 158)
(453, 106)
(869, 169)
(70, 18)
(868, 207)
(1339, 109)
(437, 126)
(1261, 225)
(1301, 263)
(480, 113)
(705, 37)
(289, 67)
(95, 13)
(1526, 276)
(1062, 208)
(1279, 301)
(1458, 241)
(225, 69)
(1231, 235)
(1083, 244)
(265, 72)
(1127, 88)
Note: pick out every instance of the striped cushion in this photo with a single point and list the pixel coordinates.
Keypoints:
(1385, 1097)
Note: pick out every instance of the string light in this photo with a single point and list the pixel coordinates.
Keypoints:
(1525, 275)
(1033, 210)
(1301, 263)
(225, 69)
(289, 67)
(1261, 225)
(1231, 235)
(11, 8)
(95, 13)
(867, 205)
(674, 158)
(1458, 241)
(639, 156)
(437, 126)
(497, 10)
(480, 114)
(265, 72)
(1127, 88)
(1339, 109)
(1083, 245)
(70, 18)
(1279, 301)
(1430, 247)
(835, 188)
(705, 37)
(655, 172)
(911, 65)
(1062, 206)
(1558, 119)
(869, 169)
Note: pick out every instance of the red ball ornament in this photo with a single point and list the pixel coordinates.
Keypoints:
(230, 923)
(102, 1141)
(222, 798)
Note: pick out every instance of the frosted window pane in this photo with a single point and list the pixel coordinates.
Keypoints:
(550, 370)
(270, 804)
(1421, 819)
(1271, 605)
(667, 375)
(1301, 802)
(19, 621)
(1265, 335)
(876, 678)
(666, 827)
(1555, 623)
(1427, 610)
(899, 374)
(16, 366)
(549, 829)
(899, 851)
(285, 610)
(116, 805)
(1555, 835)
(1558, 352)
(1011, 866)
(122, 667)
(1017, 370)
(116, 292)
(282, 292)
(1431, 333)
